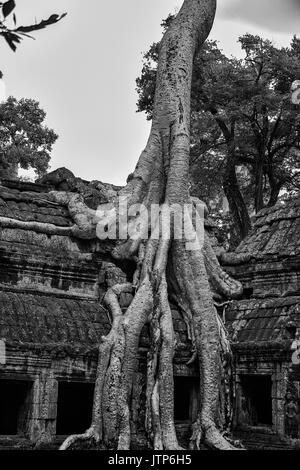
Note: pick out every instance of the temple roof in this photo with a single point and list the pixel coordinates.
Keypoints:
(50, 323)
(270, 313)
(43, 319)
(275, 232)
(259, 323)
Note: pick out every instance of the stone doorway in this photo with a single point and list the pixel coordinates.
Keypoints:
(74, 407)
(186, 396)
(15, 406)
(256, 400)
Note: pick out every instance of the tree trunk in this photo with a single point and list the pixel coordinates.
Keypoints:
(161, 176)
(275, 186)
(275, 191)
(259, 183)
(231, 187)
(235, 198)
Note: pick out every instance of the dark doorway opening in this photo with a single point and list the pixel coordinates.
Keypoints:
(15, 406)
(256, 402)
(74, 407)
(186, 398)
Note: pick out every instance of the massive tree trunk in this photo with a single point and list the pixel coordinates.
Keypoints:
(161, 177)
(165, 266)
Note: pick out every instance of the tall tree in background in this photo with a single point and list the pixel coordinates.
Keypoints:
(25, 141)
(249, 143)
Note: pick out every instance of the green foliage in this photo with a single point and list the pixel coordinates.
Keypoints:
(24, 138)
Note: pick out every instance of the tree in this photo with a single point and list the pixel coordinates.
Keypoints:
(25, 141)
(273, 145)
(161, 177)
(252, 127)
(166, 267)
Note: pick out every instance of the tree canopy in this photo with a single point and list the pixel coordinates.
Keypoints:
(24, 138)
(244, 129)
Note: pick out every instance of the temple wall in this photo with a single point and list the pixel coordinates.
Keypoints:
(44, 373)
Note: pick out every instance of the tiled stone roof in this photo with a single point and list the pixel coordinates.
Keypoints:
(47, 322)
(43, 319)
(258, 322)
(275, 232)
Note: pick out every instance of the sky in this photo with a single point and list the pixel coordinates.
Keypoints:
(83, 70)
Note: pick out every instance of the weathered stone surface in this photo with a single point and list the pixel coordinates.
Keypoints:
(94, 192)
(259, 321)
(47, 320)
(275, 233)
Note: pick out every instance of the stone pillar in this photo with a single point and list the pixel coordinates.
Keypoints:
(42, 428)
(236, 400)
(279, 387)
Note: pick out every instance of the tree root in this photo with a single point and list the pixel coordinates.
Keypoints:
(110, 350)
(91, 434)
(210, 436)
(39, 227)
(214, 439)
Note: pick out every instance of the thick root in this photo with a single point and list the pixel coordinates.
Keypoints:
(210, 436)
(214, 439)
(91, 434)
(39, 227)
(160, 381)
(196, 438)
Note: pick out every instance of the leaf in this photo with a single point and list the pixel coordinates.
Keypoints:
(11, 39)
(15, 19)
(8, 7)
(43, 24)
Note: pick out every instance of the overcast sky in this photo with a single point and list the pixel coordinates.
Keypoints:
(83, 70)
